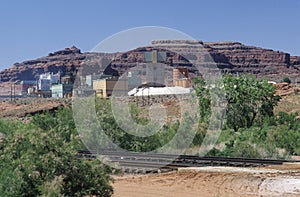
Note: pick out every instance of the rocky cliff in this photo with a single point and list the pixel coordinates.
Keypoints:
(231, 57)
(267, 63)
(235, 57)
(66, 60)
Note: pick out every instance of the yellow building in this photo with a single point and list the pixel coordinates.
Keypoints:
(181, 77)
(106, 87)
(185, 83)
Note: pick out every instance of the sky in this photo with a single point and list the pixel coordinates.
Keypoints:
(31, 29)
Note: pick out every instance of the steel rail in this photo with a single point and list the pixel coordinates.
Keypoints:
(150, 161)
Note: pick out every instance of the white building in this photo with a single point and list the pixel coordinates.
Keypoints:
(152, 91)
(46, 79)
(54, 78)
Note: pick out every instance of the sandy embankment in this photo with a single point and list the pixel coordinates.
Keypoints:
(211, 181)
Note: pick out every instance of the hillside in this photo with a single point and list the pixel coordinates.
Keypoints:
(231, 57)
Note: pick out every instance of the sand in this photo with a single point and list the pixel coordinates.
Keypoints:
(211, 181)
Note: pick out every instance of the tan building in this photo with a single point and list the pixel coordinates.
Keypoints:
(181, 77)
(185, 83)
(106, 87)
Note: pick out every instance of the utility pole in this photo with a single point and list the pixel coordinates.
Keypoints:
(14, 91)
(10, 92)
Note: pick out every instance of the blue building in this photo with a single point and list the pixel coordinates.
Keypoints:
(61, 90)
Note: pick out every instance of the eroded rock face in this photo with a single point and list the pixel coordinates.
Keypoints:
(232, 57)
(235, 57)
(254, 60)
(66, 61)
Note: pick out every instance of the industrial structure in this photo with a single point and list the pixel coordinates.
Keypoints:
(155, 91)
(28, 86)
(181, 77)
(133, 80)
(104, 88)
(90, 78)
(61, 90)
(153, 77)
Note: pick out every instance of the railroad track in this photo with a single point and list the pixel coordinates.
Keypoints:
(151, 162)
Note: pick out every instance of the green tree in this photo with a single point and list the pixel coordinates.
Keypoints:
(249, 100)
(203, 94)
(42, 162)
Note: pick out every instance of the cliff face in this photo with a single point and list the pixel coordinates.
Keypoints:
(273, 65)
(235, 57)
(232, 57)
(66, 60)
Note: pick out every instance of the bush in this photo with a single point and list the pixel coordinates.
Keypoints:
(41, 161)
(287, 80)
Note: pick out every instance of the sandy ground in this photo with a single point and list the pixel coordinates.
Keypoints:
(24, 106)
(212, 181)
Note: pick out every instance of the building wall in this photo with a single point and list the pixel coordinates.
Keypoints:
(25, 85)
(118, 88)
(133, 80)
(155, 73)
(179, 73)
(100, 87)
(44, 84)
(186, 83)
(57, 91)
(104, 88)
(61, 90)
(181, 77)
(67, 90)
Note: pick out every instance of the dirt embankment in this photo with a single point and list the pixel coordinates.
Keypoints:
(21, 107)
(290, 98)
(211, 182)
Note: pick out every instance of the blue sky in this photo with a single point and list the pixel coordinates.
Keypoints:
(31, 29)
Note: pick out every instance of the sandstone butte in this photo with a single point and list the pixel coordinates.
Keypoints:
(232, 57)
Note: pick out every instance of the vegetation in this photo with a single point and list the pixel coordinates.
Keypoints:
(249, 101)
(287, 80)
(38, 159)
(132, 142)
(252, 129)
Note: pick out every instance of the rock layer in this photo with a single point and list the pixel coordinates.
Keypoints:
(232, 57)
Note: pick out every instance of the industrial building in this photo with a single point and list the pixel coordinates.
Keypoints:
(27, 86)
(155, 73)
(61, 90)
(133, 80)
(90, 78)
(154, 91)
(44, 84)
(181, 77)
(45, 80)
(104, 88)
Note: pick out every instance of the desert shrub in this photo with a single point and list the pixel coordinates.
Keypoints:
(287, 80)
(41, 161)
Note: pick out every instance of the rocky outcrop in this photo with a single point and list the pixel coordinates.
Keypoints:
(232, 57)
(235, 57)
(67, 61)
(267, 63)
